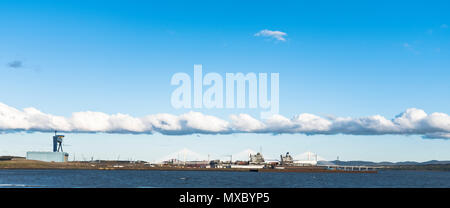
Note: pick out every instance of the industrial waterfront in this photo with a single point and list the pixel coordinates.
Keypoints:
(58, 159)
(52, 169)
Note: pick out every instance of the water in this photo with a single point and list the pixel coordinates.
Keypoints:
(208, 179)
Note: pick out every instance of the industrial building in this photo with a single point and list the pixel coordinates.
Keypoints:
(48, 156)
(58, 155)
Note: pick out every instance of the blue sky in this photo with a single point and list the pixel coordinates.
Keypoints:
(348, 58)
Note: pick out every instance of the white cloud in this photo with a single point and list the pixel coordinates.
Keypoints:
(183, 155)
(410, 48)
(445, 26)
(411, 122)
(188, 123)
(246, 123)
(243, 155)
(278, 35)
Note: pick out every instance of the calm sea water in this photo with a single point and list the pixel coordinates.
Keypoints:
(207, 179)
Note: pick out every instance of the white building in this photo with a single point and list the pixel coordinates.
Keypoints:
(48, 156)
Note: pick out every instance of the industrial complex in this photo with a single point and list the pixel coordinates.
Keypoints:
(57, 155)
(255, 162)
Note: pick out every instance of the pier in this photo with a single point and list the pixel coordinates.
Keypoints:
(350, 167)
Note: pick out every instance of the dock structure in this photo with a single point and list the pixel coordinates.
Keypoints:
(350, 167)
(257, 163)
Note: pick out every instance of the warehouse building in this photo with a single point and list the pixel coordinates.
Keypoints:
(48, 156)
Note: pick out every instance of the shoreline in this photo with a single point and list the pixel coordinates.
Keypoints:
(39, 165)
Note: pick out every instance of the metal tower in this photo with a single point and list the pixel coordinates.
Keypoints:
(57, 142)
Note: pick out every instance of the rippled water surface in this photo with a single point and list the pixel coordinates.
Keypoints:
(207, 179)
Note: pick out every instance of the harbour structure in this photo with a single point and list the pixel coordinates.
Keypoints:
(183, 163)
(311, 160)
(256, 159)
(248, 166)
(57, 155)
(257, 163)
(287, 159)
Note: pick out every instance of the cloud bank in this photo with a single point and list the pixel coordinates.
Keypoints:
(278, 35)
(411, 122)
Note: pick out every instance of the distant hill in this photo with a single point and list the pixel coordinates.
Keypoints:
(369, 163)
(436, 162)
